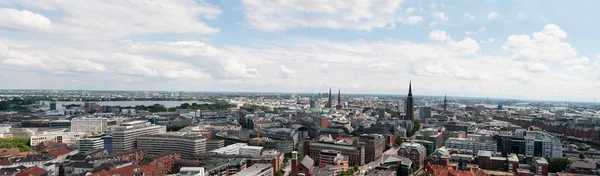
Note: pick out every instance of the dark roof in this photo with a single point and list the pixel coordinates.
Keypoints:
(79, 157)
(307, 162)
(80, 165)
(34, 158)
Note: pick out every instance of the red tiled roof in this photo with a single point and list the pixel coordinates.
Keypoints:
(5, 162)
(59, 152)
(33, 171)
(9, 151)
(130, 170)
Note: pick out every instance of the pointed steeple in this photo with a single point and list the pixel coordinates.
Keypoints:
(329, 101)
(445, 103)
(409, 88)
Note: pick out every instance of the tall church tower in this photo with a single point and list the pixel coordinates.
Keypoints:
(445, 103)
(329, 101)
(409, 103)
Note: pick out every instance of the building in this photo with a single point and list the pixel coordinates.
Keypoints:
(424, 112)
(233, 149)
(187, 144)
(306, 166)
(61, 137)
(541, 166)
(87, 145)
(53, 106)
(542, 144)
(374, 146)
(191, 171)
(410, 104)
(332, 158)
(251, 150)
(214, 144)
(257, 170)
(395, 163)
(347, 146)
(88, 124)
(60, 124)
(413, 151)
(124, 136)
(470, 144)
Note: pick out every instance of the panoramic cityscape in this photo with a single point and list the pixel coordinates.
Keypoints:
(299, 88)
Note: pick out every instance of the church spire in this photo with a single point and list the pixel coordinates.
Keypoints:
(339, 97)
(329, 101)
(445, 103)
(409, 88)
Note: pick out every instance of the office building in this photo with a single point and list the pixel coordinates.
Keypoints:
(374, 146)
(53, 106)
(470, 144)
(348, 147)
(540, 166)
(87, 145)
(88, 124)
(251, 150)
(125, 135)
(214, 144)
(233, 149)
(186, 144)
(332, 158)
(257, 170)
(60, 124)
(424, 112)
(62, 137)
(413, 151)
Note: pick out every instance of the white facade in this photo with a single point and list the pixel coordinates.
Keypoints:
(89, 144)
(88, 124)
(124, 136)
(233, 149)
(62, 137)
(251, 150)
(469, 144)
(529, 145)
(187, 145)
(191, 171)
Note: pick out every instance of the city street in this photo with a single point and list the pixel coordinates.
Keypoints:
(287, 169)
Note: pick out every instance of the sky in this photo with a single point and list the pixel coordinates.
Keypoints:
(523, 49)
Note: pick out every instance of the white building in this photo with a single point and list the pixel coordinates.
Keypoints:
(87, 145)
(251, 150)
(529, 145)
(257, 170)
(470, 144)
(187, 144)
(125, 135)
(233, 149)
(191, 171)
(88, 124)
(62, 137)
(551, 146)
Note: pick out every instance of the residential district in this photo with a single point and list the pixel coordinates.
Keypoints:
(104, 133)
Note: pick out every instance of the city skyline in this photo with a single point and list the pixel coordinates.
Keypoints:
(508, 50)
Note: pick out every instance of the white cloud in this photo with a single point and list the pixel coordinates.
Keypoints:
(469, 16)
(521, 15)
(577, 68)
(493, 16)
(489, 40)
(433, 24)
(23, 20)
(518, 76)
(285, 72)
(537, 67)
(412, 20)
(480, 30)
(440, 16)
(268, 15)
(546, 45)
(101, 20)
(410, 10)
(438, 35)
(576, 61)
(466, 46)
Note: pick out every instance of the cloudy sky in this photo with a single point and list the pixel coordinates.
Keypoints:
(543, 50)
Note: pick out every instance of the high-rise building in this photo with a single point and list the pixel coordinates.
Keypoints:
(410, 104)
(424, 112)
(125, 135)
(53, 106)
(87, 145)
(187, 145)
(374, 146)
(88, 124)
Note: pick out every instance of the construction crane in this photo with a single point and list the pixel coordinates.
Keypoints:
(257, 138)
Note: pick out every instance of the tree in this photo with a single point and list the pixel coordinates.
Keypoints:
(399, 141)
(581, 156)
(558, 165)
(19, 142)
